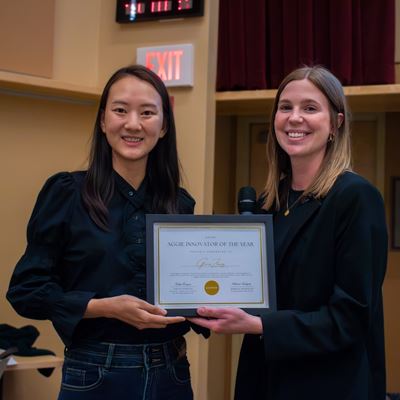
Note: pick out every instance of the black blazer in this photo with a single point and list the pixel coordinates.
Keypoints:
(326, 340)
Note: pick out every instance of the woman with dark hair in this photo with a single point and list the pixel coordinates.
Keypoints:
(326, 339)
(84, 266)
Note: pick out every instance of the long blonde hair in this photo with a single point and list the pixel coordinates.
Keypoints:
(338, 152)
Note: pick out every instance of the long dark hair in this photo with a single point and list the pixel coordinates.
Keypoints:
(162, 170)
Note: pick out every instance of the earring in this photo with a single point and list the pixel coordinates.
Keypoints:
(331, 138)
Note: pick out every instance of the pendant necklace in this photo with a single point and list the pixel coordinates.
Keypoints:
(288, 208)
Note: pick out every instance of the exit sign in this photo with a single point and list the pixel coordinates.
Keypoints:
(172, 63)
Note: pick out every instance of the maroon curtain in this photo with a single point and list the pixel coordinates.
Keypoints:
(260, 41)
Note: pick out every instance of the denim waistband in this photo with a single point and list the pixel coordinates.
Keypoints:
(116, 355)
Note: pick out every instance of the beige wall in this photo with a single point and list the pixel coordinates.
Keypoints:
(19, 20)
(42, 135)
(225, 163)
(77, 41)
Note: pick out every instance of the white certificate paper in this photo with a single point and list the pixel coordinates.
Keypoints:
(212, 264)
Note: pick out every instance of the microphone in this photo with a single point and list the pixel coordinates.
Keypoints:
(246, 200)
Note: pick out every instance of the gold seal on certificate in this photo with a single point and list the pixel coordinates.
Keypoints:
(211, 287)
(216, 261)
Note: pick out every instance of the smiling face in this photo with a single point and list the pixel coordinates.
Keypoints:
(302, 122)
(132, 122)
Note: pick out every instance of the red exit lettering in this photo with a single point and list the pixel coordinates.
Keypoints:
(166, 64)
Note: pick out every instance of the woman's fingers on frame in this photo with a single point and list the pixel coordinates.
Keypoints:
(205, 323)
(174, 320)
(156, 321)
(213, 312)
(159, 319)
(150, 308)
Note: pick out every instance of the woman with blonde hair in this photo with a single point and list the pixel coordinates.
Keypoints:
(326, 339)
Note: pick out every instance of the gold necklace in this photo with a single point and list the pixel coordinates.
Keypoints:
(288, 208)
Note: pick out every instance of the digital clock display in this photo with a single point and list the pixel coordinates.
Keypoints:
(129, 11)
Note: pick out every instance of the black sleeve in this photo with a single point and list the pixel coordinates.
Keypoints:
(35, 290)
(360, 263)
(186, 202)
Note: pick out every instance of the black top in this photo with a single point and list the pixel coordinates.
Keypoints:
(70, 260)
(282, 223)
(327, 339)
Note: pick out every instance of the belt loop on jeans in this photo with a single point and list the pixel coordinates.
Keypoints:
(167, 350)
(110, 354)
(146, 360)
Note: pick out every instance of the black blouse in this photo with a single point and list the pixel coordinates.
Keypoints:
(70, 260)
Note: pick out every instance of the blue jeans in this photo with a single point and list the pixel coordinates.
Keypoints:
(96, 371)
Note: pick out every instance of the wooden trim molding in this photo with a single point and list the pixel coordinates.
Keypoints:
(372, 98)
(26, 84)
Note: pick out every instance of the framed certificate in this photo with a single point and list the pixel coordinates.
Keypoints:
(210, 260)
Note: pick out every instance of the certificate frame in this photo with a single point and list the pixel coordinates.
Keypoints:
(240, 287)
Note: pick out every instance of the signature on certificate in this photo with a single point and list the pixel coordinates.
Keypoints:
(206, 262)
